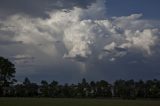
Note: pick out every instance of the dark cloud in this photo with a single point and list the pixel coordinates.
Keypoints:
(5, 42)
(38, 8)
(5, 38)
(131, 66)
(78, 58)
(120, 49)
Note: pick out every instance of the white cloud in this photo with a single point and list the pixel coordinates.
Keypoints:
(141, 40)
(110, 47)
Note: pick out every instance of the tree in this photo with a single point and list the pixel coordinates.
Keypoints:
(140, 89)
(103, 89)
(153, 89)
(19, 90)
(66, 91)
(53, 89)
(26, 81)
(82, 90)
(120, 88)
(125, 89)
(44, 88)
(7, 74)
(31, 89)
(92, 89)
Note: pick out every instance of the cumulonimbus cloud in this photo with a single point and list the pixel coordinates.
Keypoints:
(82, 30)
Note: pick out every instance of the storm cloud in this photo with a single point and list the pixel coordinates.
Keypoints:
(76, 33)
(38, 8)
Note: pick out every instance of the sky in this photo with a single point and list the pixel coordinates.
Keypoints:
(67, 40)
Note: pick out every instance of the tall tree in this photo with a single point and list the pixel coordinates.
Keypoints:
(31, 89)
(7, 73)
(53, 89)
(103, 89)
(44, 88)
(140, 89)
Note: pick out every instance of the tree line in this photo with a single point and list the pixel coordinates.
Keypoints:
(126, 89)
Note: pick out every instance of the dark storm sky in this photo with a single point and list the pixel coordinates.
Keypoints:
(67, 40)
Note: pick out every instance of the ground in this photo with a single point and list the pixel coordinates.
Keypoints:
(75, 102)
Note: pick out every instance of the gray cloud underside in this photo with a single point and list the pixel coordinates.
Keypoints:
(38, 8)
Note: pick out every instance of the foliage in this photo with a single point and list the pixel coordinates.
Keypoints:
(7, 74)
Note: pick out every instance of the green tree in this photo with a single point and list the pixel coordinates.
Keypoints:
(153, 89)
(19, 90)
(7, 73)
(82, 88)
(125, 89)
(103, 89)
(31, 89)
(92, 89)
(53, 89)
(44, 88)
(140, 89)
(120, 88)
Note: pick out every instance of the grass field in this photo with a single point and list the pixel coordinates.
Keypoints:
(74, 102)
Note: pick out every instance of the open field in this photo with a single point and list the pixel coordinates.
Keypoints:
(74, 102)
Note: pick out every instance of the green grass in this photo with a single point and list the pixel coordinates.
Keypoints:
(74, 102)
